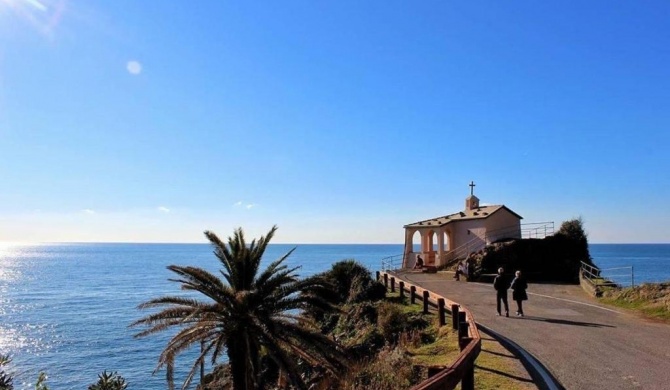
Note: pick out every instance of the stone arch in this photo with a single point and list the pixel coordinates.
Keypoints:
(416, 241)
(433, 242)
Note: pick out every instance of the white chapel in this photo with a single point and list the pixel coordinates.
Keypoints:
(455, 236)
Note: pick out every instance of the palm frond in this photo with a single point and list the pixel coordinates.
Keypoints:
(247, 314)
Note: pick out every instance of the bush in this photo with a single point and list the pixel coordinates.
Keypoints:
(392, 322)
(390, 370)
(554, 258)
(346, 274)
(350, 283)
(370, 342)
(363, 288)
(6, 379)
(109, 381)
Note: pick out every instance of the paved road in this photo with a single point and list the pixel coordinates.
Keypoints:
(585, 345)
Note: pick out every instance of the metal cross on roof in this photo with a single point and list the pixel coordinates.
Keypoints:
(472, 187)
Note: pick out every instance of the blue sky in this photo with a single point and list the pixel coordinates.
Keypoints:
(339, 121)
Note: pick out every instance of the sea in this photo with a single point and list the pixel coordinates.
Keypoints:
(65, 309)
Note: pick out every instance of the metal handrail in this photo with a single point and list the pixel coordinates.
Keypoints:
(390, 263)
(591, 272)
(527, 230)
(544, 229)
(465, 249)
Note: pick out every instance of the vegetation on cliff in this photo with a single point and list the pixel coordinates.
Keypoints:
(554, 258)
(650, 299)
(389, 343)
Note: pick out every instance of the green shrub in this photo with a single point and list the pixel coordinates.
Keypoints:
(6, 379)
(392, 322)
(391, 369)
(347, 273)
(41, 382)
(363, 288)
(109, 381)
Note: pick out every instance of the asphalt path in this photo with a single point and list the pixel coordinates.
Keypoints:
(583, 344)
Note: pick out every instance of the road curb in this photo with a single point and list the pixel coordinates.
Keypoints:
(540, 374)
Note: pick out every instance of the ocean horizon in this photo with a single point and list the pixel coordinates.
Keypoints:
(65, 307)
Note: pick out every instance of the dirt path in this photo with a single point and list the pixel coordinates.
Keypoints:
(585, 345)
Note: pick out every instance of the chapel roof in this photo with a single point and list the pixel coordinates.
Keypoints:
(480, 212)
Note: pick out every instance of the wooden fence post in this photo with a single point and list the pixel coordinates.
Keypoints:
(462, 326)
(379, 275)
(392, 284)
(412, 294)
(454, 316)
(386, 280)
(401, 287)
(468, 382)
(441, 311)
(461, 317)
(425, 301)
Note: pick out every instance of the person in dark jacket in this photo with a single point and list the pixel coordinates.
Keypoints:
(519, 295)
(419, 262)
(501, 284)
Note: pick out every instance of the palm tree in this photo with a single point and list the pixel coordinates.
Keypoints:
(250, 315)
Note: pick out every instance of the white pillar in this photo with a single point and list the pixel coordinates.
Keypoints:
(440, 247)
(409, 233)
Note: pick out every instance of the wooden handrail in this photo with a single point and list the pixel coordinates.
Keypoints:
(462, 369)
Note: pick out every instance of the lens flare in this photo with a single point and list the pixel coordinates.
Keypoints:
(44, 15)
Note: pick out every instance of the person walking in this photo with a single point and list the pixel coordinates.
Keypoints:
(501, 285)
(519, 286)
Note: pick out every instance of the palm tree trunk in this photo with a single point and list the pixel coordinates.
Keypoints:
(241, 365)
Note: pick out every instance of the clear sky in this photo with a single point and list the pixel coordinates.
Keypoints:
(339, 121)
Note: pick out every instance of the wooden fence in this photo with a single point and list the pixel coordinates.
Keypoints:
(462, 370)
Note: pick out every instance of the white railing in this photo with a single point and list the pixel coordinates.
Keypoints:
(464, 250)
(609, 277)
(392, 263)
(537, 229)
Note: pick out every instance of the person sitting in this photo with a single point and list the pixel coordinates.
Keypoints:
(461, 270)
(419, 263)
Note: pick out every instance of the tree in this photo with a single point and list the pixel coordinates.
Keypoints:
(109, 381)
(253, 316)
(573, 231)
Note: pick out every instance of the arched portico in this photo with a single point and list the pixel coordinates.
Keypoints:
(434, 244)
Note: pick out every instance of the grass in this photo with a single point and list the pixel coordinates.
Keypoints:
(651, 300)
(495, 368)
(444, 347)
(441, 352)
